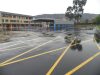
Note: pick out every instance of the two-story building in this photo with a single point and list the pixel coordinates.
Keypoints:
(20, 22)
(13, 21)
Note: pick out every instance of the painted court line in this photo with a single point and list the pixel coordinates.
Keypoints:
(32, 56)
(15, 48)
(27, 51)
(12, 49)
(59, 59)
(97, 44)
(16, 44)
(83, 64)
(51, 51)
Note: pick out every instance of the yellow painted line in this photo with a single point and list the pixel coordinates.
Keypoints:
(97, 44)
(82, 64)
(19, 48)
(32, 57)
(51, 51)
(85, 62)
(26, 52)
(59, 59)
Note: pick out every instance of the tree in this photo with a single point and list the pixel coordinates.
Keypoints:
(69, 13)
(75, 12)
(97, 20)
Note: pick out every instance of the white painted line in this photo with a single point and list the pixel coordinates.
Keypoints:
(19, 42)
(27, 51)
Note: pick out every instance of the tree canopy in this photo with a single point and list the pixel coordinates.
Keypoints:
(75, 12)
(97, 20)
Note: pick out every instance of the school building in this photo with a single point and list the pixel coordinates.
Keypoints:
(20, 22)
(53, 24)
(15, 22)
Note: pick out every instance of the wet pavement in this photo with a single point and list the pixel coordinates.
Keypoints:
(75, 57)
(41, 64)
(93, 68)
(36, 66)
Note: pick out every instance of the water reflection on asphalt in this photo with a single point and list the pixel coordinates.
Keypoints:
(71, 59)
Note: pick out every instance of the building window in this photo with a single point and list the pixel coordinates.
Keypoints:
(19, 17)
(6, 20)
(26, 17)
(17, 20)
(21, 21)
(2, 20)
(51, 25)
(25, 21)
(14, 16)
(12, 20)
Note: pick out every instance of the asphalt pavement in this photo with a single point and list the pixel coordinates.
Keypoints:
(52, 57)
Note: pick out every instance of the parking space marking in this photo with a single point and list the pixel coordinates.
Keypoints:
(59, 59)
(26, 52)
(85, 62)
(51, 51)
(97, 44)
(82, 64)
(12, 49)
(15, 47)
(20, 42)
(37, 55)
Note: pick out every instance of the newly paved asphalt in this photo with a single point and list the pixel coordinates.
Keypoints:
(41, 64)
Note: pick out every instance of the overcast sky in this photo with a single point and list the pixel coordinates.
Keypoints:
(37, 7)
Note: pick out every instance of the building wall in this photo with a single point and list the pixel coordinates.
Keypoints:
(59, 27)
(15, 20)
(42, 25)
(10, 21)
